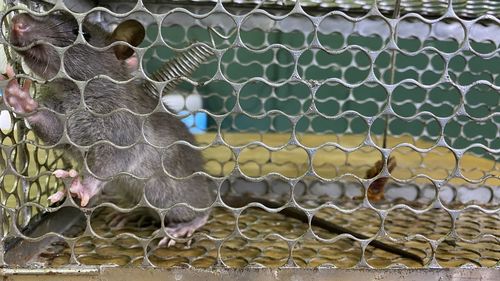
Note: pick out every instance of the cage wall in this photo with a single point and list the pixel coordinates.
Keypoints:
(296, 101)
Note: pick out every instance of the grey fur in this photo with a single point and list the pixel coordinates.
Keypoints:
(121, 128)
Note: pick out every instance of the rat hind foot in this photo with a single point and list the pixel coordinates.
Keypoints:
(182, 230)
(120, 220)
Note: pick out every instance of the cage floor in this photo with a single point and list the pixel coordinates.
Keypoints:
(265, 249)
(478, 233)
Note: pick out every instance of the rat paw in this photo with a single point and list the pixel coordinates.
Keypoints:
(120, 220)
(61, 174)
(17, 96)
(83, 191)
(77, 189)
(116, 220)
(182, 230)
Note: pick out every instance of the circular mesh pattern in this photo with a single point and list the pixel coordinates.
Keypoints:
(297, 101)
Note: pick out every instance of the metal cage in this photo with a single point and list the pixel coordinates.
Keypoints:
(303, 103)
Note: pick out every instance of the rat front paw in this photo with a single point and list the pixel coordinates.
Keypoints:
(82, 190)
(17, 96)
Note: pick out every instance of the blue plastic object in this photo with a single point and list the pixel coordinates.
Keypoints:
(196, 121)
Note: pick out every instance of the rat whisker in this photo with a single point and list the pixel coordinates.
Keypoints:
(61, 23)
(63, 32)
(62, 38)
(47, 65)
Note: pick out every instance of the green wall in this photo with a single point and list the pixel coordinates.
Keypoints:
(333, 99)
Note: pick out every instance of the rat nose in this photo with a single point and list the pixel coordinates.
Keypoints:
(19, 26)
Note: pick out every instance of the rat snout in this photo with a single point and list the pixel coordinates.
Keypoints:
(20, 24)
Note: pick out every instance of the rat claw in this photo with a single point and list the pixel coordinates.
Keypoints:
(76, 187)
(171, 243)
(61, 174)
(84, 200)
(83, 190)
(166, 241)
(117, 220)
(56, 197)
(163, 242)
(26, 85)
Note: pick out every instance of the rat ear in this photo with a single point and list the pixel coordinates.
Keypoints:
(130, 31)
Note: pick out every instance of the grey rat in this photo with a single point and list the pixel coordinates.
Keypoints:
(121, 128)
(147, 139)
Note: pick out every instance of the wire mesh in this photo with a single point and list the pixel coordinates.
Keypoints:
(297, 98)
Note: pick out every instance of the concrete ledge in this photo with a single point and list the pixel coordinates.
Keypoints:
(153, 274)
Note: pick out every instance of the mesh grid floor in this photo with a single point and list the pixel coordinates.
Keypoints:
(477, 242)
(268, 250)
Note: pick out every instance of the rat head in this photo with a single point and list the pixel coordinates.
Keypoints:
(39, 34)
(57, 29)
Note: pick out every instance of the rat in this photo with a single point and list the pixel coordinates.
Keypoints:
(101, 162)
(104, 117)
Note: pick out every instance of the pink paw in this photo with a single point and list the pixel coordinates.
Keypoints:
(77, 188)
(61, 174)
(18, 97)
(80, 191)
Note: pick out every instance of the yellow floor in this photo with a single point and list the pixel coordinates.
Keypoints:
(330, 162)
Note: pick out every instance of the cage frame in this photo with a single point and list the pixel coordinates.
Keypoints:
(281, 273)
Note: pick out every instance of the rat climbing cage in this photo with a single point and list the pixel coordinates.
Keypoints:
(379, 116)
